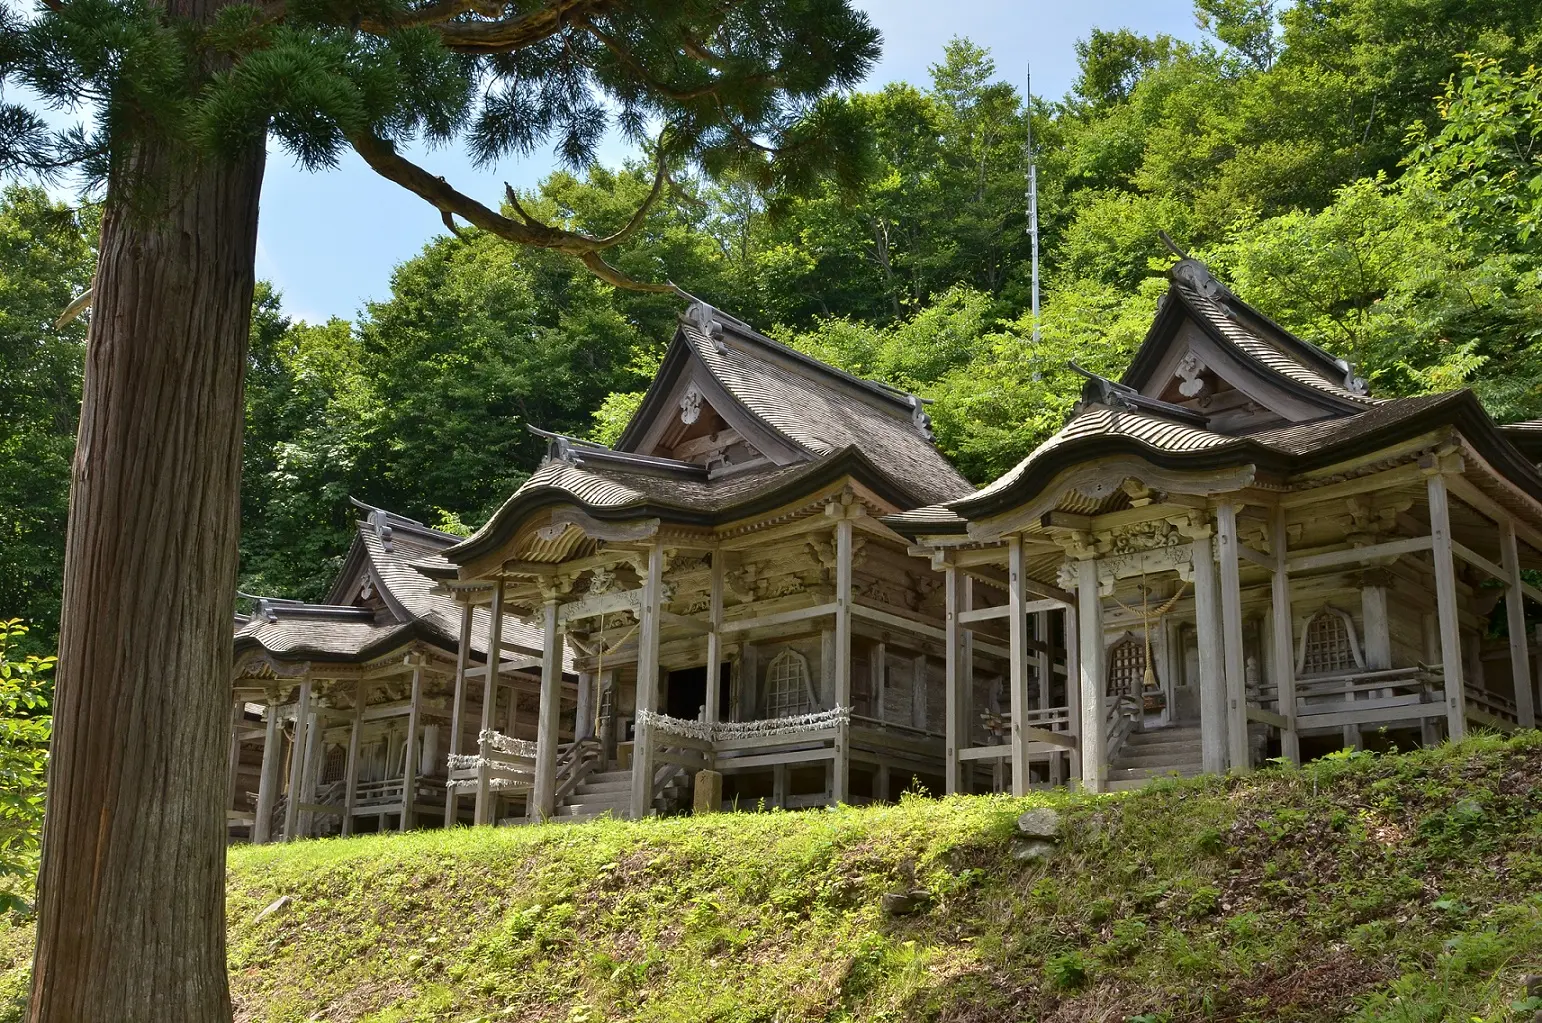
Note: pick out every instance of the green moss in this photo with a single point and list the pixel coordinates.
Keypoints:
(1378, 888)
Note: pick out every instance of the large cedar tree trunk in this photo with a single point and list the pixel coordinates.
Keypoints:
(131, 893)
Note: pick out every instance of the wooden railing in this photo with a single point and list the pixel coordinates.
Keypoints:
(1490, 708)
(1124, 711)
(575, 762)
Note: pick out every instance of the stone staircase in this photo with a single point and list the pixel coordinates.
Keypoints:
(1155, 754)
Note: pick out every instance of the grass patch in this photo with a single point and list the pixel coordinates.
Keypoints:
(1371, 888)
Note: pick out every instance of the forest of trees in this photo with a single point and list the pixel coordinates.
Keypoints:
(1368, 172)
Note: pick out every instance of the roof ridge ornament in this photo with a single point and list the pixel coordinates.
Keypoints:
(379, 519)
(702, 315)
(918, 416)
(1353, 384)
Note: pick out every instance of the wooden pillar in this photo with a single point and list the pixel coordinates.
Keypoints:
(297, 761)
(233, 763)
(583, 714)
(410, 764)
(840, 771)
(1073, 674)
(314, 758)
(1094, 737)
(878, 677)
(544, 799)
(1515, 618)
(1233, 659)
(458, 711)
(351, 768)
(647, 680)
(1212, 678)
(483, 814)
(714, 708)
(1283, 650)
(1017, 667)
(955, 737)
(267, 781)
(1446, 608)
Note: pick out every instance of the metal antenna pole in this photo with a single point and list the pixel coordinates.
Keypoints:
(1033, 204)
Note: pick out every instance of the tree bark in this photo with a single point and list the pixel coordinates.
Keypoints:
(131, 891)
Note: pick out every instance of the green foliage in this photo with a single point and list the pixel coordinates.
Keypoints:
(24, 731)
(46, 259)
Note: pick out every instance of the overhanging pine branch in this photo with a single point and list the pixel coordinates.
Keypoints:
(383, 158)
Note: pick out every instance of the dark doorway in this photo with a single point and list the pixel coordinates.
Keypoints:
(686, 692)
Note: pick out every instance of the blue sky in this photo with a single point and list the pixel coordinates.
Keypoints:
(328, 241)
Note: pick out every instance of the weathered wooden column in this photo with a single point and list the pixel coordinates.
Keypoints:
(840, 767)
(297, 748)
(1073, 674)
(1446, 610)
(714, 637)
(1233, 660)
(583, 711)
(649, 612)
(410, 763)
(1515, 619)
(233, 764)
(483, 814)
(1094, 736)
(351, 768)
(1044, 668)
(458, 711)
(1017, 667)
(1212, 677)
(543, 800)
(1282, 635)
(267, 780)
(955, 737)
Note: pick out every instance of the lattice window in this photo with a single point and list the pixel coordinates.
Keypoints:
(1126, 667)
(332, 767)
(1328, 644)
(787, 685)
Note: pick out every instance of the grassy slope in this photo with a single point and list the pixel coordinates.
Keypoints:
(1372, 888)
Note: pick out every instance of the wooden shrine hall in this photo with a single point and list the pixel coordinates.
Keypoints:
(1236, 553)
(725, 578)
(774, 591)
(344, 713)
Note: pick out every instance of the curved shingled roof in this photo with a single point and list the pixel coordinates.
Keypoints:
(1101, 432)
(823, 422)
(384, 550)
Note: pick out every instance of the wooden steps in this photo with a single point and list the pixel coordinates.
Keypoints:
(600, 793)
(1159, 753)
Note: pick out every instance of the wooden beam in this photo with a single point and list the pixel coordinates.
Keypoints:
(647, 679)
(1357, 555)
(1515, 619)
(543, 798)
(1468, 493)
(1258, 558)
(1387, 478)
(1478, 561)
(511, 664)
(410, 758)
(1446, 608)
(737, 625)
(600, 604)
(1237, 753)
(895, 621)
(840, 766)
(1283, 652)
(685, 623)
